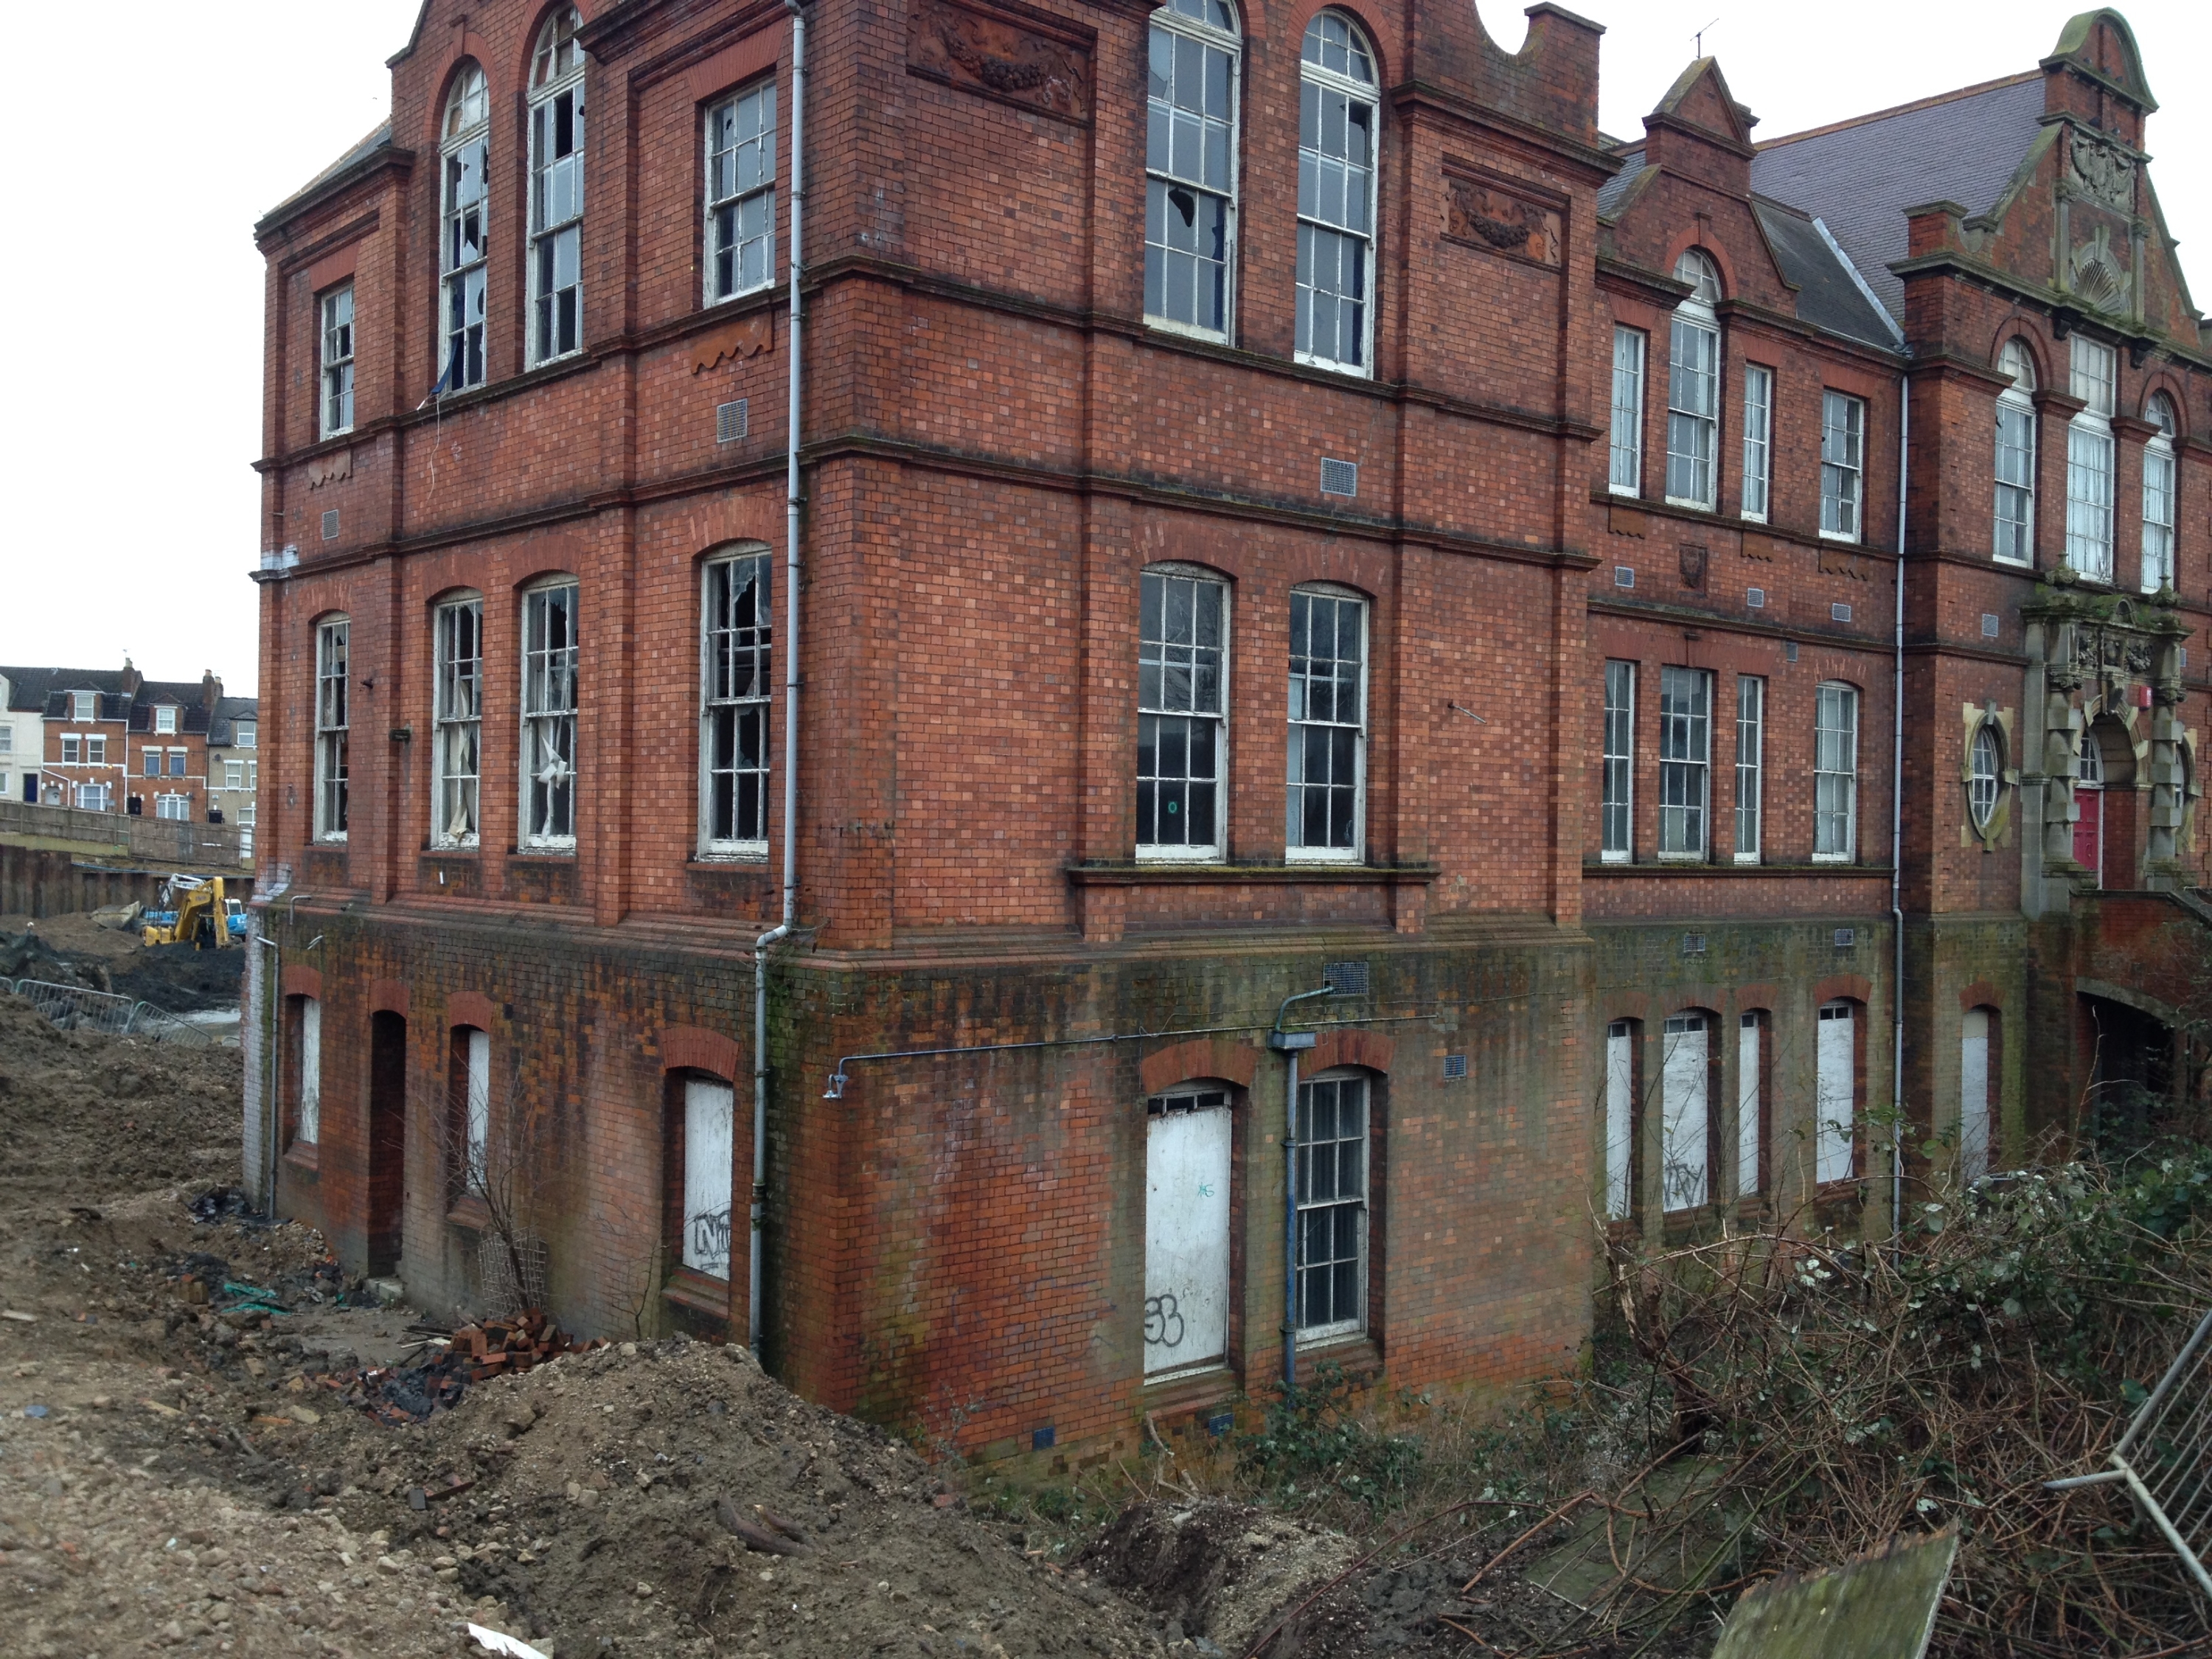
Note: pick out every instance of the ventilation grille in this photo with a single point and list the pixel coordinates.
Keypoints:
(1454, 1066)
(1839, 612)
(1990, 626)
(1624, 575)
(1790, 651)
(1755, 598)
(1694, 945)
(732, 421)
(1339, 478)
(1346, 979)
(1847, 938)
(330, 524)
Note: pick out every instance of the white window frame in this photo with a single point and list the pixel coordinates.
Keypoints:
(1617, 775)
(456, 722)
(730, 696)
(1358, 1203)
(464, 232)
(1693, 388)
(1620, 1119)
(309, 1127)
(165, 720)
(95, 749)
(234, 774)
(551, 697)
(740, 193)
(1317, 84)
(557, 192)
(1750, 765)
(92, 797)
(1157, 700)
(175, 808)
(84, 706)
(2013, 527)
(1685, 1103)
(1984, 772)
(2092, 459)
(245, 734)
(1843, 466)
(1757, 492)
(2160, 482)
(333, 657)
(72, 748)
(1685, 755)
(7, 737)
(336, 312)
(1211, 27)
(1625, 453)
(1835, 773)
(177, 757)
(709, 1174)
(1750, 1098)
(1301, 687)
(1835, 1133)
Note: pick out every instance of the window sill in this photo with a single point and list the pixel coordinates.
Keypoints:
(469, 1211)
(1839, 536)
(1350, 371)
(305, 1157)
(1179, 858)
(1682, 867)
(687, 1287)
(1138, 875)
(549, 854)
(1692, 507)
(748, 858)
(1186, 1390)
(1187, 330)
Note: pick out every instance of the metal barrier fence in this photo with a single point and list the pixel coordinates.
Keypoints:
(2166, 1456)
(73, 1008)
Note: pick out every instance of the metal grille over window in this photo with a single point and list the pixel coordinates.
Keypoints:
(1346, 979)
(2089, 461)
(338, 361)
(1693, 386)
(1758, 438)
(1190, 165)
(2158, 490)
(330, 524)
(1328, 733)
(331, 640)
(462, 244)
(460, 720)
(1337, 122)
(733, 420)
(1843, 464)
(549, 717)
(1339, 478)
(1332, 1201)
(1984, 769)
(1620, 755)
(1750, 763)
(2015, 457)
(741, 193)
(1626, 464)
(733, 742)
(1686, 736)
(1835, 772)
(1183, 646)
(556, 189)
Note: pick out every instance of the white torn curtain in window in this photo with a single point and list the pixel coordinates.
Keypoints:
(462, 244)
(741, 193)
(549, 717)
(460, 720)
(733, 740)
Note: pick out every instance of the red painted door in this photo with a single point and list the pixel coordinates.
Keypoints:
(2089, 830)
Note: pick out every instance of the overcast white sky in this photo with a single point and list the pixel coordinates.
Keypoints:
(134, 405)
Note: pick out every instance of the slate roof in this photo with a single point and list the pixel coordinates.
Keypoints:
(1859, 176)
(366, 146)
(1615, 190)
(1832, 294)
(222, 729)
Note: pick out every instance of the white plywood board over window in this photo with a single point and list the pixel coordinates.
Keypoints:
(709, 1150)
(1186, 1232)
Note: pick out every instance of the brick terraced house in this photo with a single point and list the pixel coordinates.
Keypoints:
(1284, 501)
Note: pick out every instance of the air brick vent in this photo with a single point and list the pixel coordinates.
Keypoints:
(1624, 575)
(1339, 478)
(1847, 938)
(1990, 626)
(1839, 612)
(1694, 945)
(731, 421)
(330, 524)
(1755, 598)
(1454, 1066)
(1346, 979)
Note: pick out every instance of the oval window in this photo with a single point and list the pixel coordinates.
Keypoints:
(1984, 771)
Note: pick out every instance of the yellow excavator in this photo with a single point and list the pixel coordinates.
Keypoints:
(203, 916)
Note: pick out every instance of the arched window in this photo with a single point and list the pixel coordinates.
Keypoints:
(1183, 713)
(2158, 496)
(2015, 457)
(1984, 772)
(556, 189)
(1338, 123)
(1686, 1116)
(1693, 386)
(333, 656)
(1190, 167)
(735, 627)
(1188, 1143)
(465, 154)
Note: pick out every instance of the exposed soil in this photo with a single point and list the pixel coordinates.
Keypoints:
(74, 949)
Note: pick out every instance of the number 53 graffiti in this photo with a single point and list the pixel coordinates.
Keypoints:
(1164, 1322)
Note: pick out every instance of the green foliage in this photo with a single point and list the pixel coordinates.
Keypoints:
(1314, 1442)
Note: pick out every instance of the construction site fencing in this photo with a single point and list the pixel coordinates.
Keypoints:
(73, 1008)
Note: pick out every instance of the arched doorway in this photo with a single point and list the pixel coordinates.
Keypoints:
(2103, 793)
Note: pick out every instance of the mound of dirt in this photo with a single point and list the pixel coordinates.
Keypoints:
(1220, 1571)
(87, 1117)
(181, 978)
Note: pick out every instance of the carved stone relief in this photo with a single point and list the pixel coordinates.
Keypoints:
(2102, 173)
(1481, 214)
(998, 58)
(2096, 273)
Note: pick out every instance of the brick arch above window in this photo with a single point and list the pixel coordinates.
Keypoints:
(2176, 398)
(388, 996)
(302, 981)
(1198, 1057)
(530, 37)
(1695, 237)
(471, 1008)
(692, 1048)
(1748, 997)
(1980, 994)
(2038, 351)
(1628, 1004)
(1370, 1049)
(1846, 987)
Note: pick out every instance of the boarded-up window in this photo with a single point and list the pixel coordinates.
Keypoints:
(311, 1071)
(475, 1104)
(1974, 1095)
(1620, 1113)
(1185, 1228)
(1837, 1099)
(1683, 1113)
(710, 1152)
(1750, 1103)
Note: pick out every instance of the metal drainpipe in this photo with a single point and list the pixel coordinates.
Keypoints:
(1290, 1045)
(791, 503)
(1897, 838)
(272, 1116)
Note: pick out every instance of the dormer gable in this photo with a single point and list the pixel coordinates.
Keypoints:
(1700, 131)
(2094, 75)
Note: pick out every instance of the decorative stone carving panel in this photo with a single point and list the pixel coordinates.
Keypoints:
(2102, 173)
(1000, 57)
(1481, 212)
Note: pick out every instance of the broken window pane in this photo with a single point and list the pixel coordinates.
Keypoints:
(556, 207)
(1190, 152)
(338, 361)
(734, 706)
(741, 193)
(1337, 119)
(460, 720)
(462, 253)
(549, 717)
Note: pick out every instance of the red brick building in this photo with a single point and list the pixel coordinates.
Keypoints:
(1284, 500)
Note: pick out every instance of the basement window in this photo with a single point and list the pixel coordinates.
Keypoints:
(1332, 1205)
(735, 628)
(332, 642)
(549, 716)
(556, 189)
(308, 1127)
(741, 193)
(460, 720)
